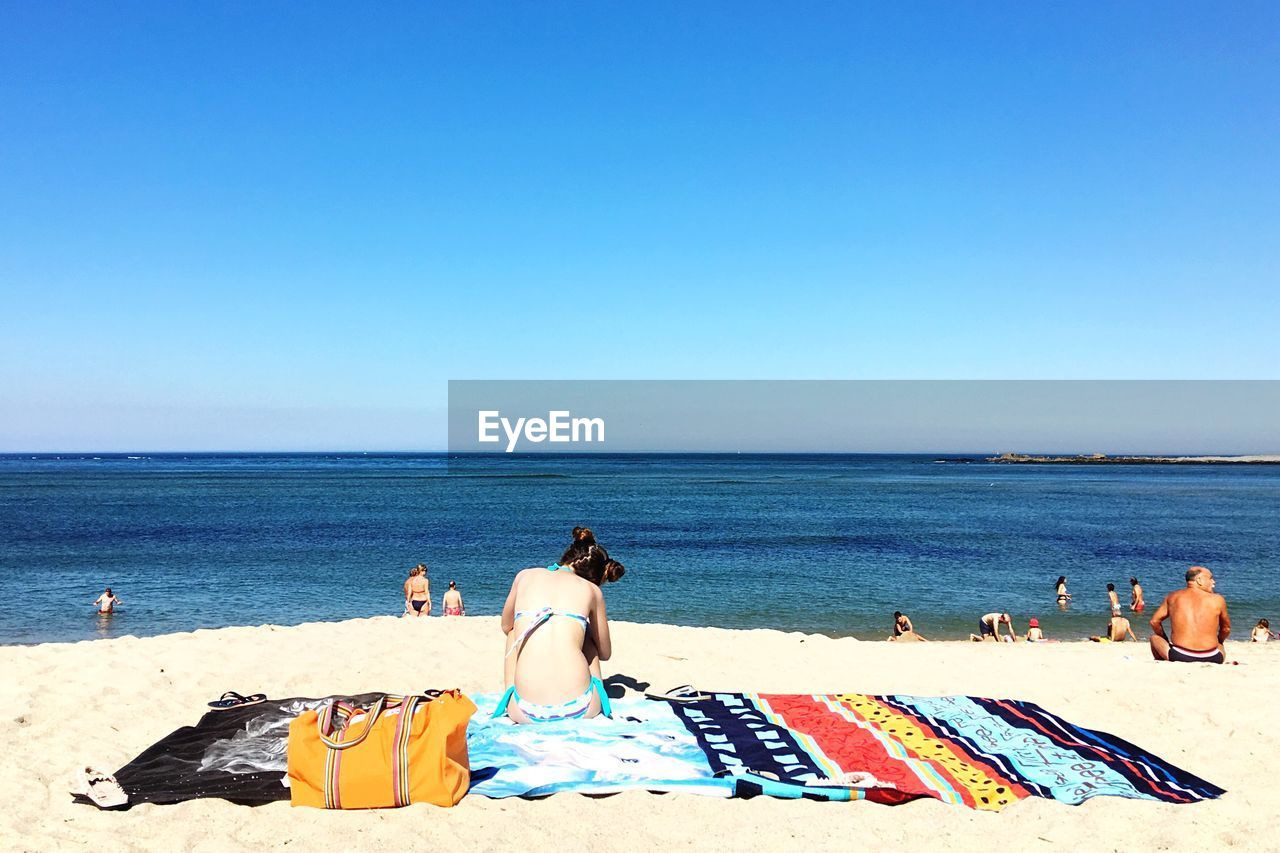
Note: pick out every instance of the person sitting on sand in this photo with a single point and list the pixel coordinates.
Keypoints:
(417, 592)
(557, 635)
(1114, 597)
(106, 603)
(903, 629)
(1136, 603)
(989, 627)
(1199, 624)
(1061, 589)
(452, 601)
(1118, 629)
(1261, 632)
(1034, 634)
(901, 623)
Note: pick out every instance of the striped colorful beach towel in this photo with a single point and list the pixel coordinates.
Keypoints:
(979, 753)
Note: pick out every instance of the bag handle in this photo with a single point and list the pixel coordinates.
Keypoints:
(371, 717)
(408, 704)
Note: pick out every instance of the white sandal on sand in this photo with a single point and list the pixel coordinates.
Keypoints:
(103, 789)
(683, 693)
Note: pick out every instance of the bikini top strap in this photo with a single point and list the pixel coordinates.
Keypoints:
(539, 616)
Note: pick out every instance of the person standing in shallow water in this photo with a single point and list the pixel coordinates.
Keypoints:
(1114, 598)
(417, 592)
(1060, 588)
(106, 603)
(1136, 602)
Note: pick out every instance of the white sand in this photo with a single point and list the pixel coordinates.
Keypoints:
(103, 702)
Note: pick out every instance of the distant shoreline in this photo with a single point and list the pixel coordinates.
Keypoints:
(684, 455)
(1103, 459)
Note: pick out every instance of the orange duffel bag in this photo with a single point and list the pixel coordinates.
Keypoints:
(402, 750)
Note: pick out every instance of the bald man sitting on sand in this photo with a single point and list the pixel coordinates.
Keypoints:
(1198, 622)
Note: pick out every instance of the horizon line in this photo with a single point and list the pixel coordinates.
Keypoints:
(527, 453)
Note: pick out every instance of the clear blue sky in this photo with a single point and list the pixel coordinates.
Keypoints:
(243, 226)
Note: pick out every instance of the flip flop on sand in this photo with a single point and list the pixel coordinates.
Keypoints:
(231, 699)
(103, 789)
(683, 693)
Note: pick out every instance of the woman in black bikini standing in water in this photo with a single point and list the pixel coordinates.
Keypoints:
(417, 592)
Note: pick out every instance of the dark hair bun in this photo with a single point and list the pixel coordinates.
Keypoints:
(590, 561)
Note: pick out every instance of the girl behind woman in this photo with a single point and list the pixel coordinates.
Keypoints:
(557, 635)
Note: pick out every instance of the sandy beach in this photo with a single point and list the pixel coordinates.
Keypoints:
(102, 702)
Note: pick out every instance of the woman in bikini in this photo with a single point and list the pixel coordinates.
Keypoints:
(557, 635)
(1136, 602)
(1060, 588)
(417, 592)
(453, 601)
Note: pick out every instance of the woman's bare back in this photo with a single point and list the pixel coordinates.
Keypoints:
(551, 666)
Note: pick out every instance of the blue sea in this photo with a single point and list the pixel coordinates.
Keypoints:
(815, 543)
